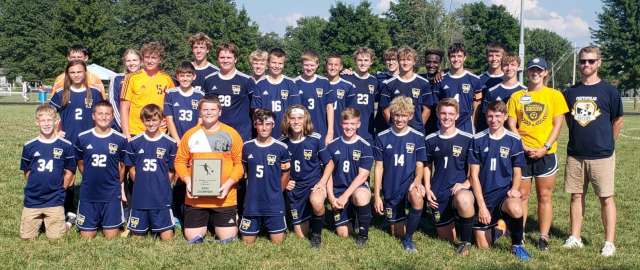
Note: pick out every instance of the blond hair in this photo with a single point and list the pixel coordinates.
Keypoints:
(590, 49)
(46, 109)
(349, 113)
(258, 55)
(448, 102)
(307, 126)
(406, 51)
(402, 104)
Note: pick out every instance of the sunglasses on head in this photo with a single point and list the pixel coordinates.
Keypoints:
(590, 61)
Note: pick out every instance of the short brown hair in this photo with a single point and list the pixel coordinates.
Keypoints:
(590, 49)
(333, 56)
(228, 46)
(497, 106)
(262, 115)
(448, 102)
(151, 48)
(277, 52)
(390, 54)
(494, 47)
(102, 103)
(364, 50)
(185, 67)
(510, 58)
(349, 113)
(406, 51)
(209, 99)
(200, 38)
(149, 111)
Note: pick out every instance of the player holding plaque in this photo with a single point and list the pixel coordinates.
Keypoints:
(209, 162)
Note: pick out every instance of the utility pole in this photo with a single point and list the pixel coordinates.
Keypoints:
(575, 55)
(521, 47)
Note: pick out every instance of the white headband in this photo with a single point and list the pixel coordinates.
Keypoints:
(297, 111)
(266, 121)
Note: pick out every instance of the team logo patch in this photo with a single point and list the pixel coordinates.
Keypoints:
(57, 153)
(160, 152)
(319, 92)
(80, 219)
(133, 222)
(466, 88)
(245, 224)
(356, 155)
(284, 93)
(585, 111)
(410, 147)
(307, 154)
(340, 93)
(388, 212)
(457, 150)
(415, 92)
(534, 113)
(88, 102)
(372, 89)
(436, 215)
(336, 217)
(271, 159)
(194, 104)
(113, 148)
(504, 152)
(235, 89)
(294, 214)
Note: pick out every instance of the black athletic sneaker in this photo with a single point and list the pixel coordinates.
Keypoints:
(542, 244)
(315, 240)
(361, 241)
(463, 249)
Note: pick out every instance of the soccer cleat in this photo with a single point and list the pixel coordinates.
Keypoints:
(316, 240)
(520, 252)
(196, 240)
(542, 244)
(361, 241)
(608, 250)
(573, 242)
(71, 220)
(463, 249)
(409, 246)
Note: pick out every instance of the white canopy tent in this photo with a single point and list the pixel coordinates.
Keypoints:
(105, 74)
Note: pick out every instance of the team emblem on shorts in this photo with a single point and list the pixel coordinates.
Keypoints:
(307, 154)
(388, 212)
(235, 89)
(134, 221)
(294, 214)
(415, 92)
(271, 159)
(457, 150)
(436, 215)
(336, 217)
(466, 88)
(160, 152)
(504, 152)
(356, 155)
(319, 92)
(113, 148)
(194, 104)
(340, 93)
(80, 219)
(372, 89)
(585, 111)
(57, 153)
(410, 147)
(245, 224)
(284, 93)
(534, 112)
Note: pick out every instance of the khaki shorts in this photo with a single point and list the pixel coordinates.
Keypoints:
(32, 219)
(599, 172)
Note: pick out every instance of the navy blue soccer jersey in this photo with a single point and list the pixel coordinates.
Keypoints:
(75, 116)
(348, 158)
(340, 90)
(46, 160)
(235, 93)
(277, 97)
(499, 92)
(462, 88)
(153, 160)
(448, 156)
(201, 75)
(497, 156)
(264, 187)
(363, 99)
(101, 156)
(183, 108)
(399, 153)
(305, 160)
(315, 95)
(115, 95)
(417, 88)
(380, 124)
(489, 80)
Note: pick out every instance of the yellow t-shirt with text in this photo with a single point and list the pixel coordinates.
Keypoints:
(141, 89)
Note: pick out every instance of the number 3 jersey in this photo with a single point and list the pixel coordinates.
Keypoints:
(399, 153)
(101, 156)
(348, 158)
(264, 189)
(449, 155)
(183, 108)
(152, 159)
(46, 160)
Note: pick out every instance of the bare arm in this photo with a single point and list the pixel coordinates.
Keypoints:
(173, 131)
(284, 177)
(330, 120)
(80, 164)
(68, 179)
(475, 185)
(386, 113)
(377, 177)
(125, 106)
(426, 112)
(555, 132)
(618, 123)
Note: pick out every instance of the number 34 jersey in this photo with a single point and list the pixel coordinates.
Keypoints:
(152, 159)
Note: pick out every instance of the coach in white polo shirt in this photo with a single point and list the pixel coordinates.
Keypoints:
(594, 122)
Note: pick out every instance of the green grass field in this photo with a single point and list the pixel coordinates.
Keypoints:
(382, 252)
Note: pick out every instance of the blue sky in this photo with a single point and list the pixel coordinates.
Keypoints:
(569, 18)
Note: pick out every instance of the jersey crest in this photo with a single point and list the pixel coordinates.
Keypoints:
(284, 94)
(113, 148)
(372, 89)
(57, 153)
(307, 154)
(340, 93)
(410, 147)
(88, 102)
(356, 155)
(235, 89)
(194, 104)
(504, 152)
(415, 92)
(466, 88)
(585, 111)
(457, 150)
(271, 159)
(319, 92)
(160, 152)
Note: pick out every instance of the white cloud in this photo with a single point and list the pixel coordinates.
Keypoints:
(383, 5)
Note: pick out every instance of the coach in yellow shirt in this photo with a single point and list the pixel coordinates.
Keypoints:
(143, 87)
(537, 113)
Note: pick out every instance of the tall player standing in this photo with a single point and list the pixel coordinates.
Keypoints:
(366, 90)
(131, 59)
(493, 76)
(339, 89)
(316, 95)
(201, 44)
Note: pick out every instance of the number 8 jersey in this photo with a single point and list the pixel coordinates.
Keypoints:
(449, 155)
(348, 158)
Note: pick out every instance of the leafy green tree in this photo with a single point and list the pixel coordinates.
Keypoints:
(552, 47)
(306, 35)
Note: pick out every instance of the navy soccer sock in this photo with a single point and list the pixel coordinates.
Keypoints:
(516, 227)
(464, 229)
(364, 220)
(316, 224)
(412, 222)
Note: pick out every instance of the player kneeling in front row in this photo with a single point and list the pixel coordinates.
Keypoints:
(349, 159)
(305, 191)
(496, 164)
(267, 162)
(399, 152)
(100, 154)
(150, 156)
(448, 193)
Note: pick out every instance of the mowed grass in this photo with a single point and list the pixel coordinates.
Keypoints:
(382, 252)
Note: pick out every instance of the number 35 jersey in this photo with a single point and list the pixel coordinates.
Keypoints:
(449, 155)
(152, 159)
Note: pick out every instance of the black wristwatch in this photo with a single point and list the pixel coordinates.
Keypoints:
(547, 146)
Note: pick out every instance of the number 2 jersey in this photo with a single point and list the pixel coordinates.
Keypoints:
(182, 106)
(153, 159)
(75, 116)
(101, 156)
(46, 160)
(348, 158)
(263, 195)
(449, 156)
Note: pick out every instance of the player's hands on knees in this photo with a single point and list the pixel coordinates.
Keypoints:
(291, 185)
(224, 189)
(418, 188)
(431, 199)
(334, 203)
(378, 206)
(457, 187)
(318, 187)
(484, 216)
(514, 193)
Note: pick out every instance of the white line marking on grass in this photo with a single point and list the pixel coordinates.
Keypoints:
(630, 137)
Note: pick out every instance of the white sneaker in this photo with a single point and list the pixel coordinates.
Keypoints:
(71, 220)
(608, 250)
(573, 242)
